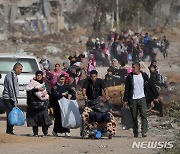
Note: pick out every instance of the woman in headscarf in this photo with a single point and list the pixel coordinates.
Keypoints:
(37, 115)
(58, 91)
(115, 66)
(154, 64)
(57, 71)
(65, 66)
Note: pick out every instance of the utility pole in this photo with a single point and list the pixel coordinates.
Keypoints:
(117, 15)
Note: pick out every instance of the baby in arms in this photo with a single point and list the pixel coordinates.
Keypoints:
(42, 95)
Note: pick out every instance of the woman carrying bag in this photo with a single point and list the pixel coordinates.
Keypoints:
(37, 109)
(59, 91)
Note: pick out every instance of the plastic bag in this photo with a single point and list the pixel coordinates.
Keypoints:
(70, 116)
(162, 79)
(129, 57)
(16, 117)
(97, 133)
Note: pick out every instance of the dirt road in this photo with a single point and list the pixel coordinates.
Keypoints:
(25, 143)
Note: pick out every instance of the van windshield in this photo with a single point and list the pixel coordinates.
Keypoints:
(29, 65)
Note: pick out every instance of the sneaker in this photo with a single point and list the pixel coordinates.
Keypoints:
(55, 134)
(35, 135)
(67, 134)
(10, 133)
(91, 132)
(46, 134)
(144, 135)
(124, 128)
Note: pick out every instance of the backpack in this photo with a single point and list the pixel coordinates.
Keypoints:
(162, 79)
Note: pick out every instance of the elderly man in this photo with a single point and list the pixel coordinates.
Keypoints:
(10, 92)
(137, 89)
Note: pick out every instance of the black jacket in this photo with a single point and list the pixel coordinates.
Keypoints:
(150, 90)
(57, 90)
(33, 117)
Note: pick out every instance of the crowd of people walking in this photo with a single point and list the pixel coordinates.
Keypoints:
(79, 73)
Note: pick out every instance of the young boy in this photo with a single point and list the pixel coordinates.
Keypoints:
(109, 78)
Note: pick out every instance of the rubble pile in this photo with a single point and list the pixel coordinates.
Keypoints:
(39, 27)
(32, 16)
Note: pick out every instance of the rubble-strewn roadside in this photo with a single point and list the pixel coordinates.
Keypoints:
(65, 42)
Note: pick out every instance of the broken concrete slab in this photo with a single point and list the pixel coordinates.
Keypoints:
(25, 3)
(18, 34)
(6, 12)
(3, 37)
(60, 23)
(13, 13)
(52, 50)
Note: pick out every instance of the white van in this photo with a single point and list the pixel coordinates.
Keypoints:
(30, 66)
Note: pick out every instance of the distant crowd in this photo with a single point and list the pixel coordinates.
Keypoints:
(126, 47)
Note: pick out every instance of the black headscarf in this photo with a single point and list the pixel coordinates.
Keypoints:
(40, 81)
(153, 61)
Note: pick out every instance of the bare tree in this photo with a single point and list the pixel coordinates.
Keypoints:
(99, 8)
(126, 13)
(173, 2)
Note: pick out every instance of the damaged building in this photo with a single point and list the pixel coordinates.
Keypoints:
(35, 16)
(51, 16)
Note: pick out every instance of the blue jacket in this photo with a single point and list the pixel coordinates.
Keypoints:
(145, 40)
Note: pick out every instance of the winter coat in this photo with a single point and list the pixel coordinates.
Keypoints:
(36, 118)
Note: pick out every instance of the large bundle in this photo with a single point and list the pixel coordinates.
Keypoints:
(116, 94)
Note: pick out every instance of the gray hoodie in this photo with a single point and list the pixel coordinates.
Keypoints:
(9, 91)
